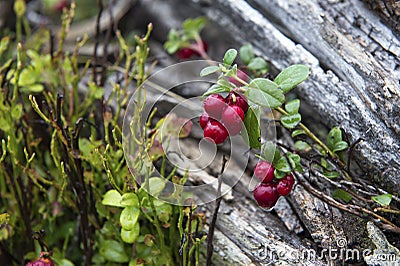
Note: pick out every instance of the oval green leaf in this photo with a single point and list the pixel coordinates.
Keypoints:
(112, 198)
(340, 146)
(130, 200)
(292, 107)
(246, 53)
(341, 194)
(265, 93)
(208, 71)
(290, 121)
(257, 64)
(130, 236)
(230, 57)
(113, 251)
(129, 217)
(383, 199)
(292, 76)
(252, 133)
(156, 185)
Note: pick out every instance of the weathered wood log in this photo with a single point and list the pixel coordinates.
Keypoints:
(355, 69)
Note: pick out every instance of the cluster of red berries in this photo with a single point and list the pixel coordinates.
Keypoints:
(223, 116)
(270, 189)
(192, 50)
(42, 261)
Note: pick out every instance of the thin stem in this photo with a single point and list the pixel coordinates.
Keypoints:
(211, 229)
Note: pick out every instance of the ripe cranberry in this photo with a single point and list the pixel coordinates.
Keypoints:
(215, 132)
(214, 105)
(240, 74)
(236, 99)
(204, 119)
(185, 53)
(266, 195)
(285, 185)
(264, 171)
(232, 118)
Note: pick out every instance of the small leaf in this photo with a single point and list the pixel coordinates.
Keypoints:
(269, 151)
(192, 27)
(4, 219)
(129, 217)
(341, 194)
(264, 93)
(278, 174)
(215, 89)
(298, 132)
(4, 44)
(112, 198)
(208, 70)
(334, 136)
(257, 64)
(16, 112)
(224, 83)
(230, 57)
(251, 123)
(340, 146)
(302, 146)
(292, 107)
(282, 165)
(130, 200)
(331, 175)
(130, 236)
(290, 121)
(156, 185)
(246, 53)
(383, 199)
(292, 76)
(113, 251)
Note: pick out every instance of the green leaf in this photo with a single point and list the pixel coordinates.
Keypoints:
(34, 88)
(192, 27)
(278, 174)
(16, 112)
(340, 146)
(129, 217)
(215, 89)
(302, 146)
(130, 200)
(130, 236)
(269, 152)
(292, 107)
(208, 70)
(383, 199)
(112, 198)
(230, 57)
(291, 121)
(251, 123)
(257, 63)
(292, 76)
(156, 185)
(334, 136)
(224, 83)
(4, 44)
(265, 93)
(282, 165)
(246, 53)
(331, 175)
(298, 132)
(113, 251)
(341, 194)
(4, 219)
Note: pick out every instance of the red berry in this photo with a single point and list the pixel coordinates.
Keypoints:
(232, 118)
(236, 99)
(264, 171)
(266, 195)
(185, 53)
(240, 74)
(204, 119)
(214, 105)
(285, 185)
(215, 132)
